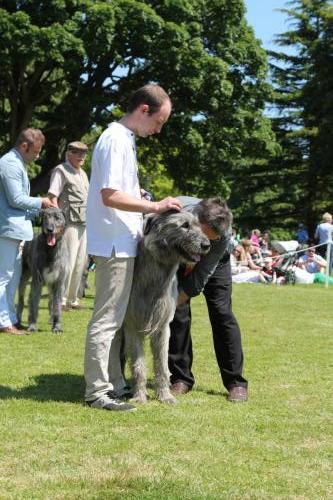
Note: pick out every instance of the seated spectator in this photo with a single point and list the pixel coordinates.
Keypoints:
(265, 245)
(238, 260)
(252, 256)
(268, 271)
(240, 269)
(312, 262)
(255, 237)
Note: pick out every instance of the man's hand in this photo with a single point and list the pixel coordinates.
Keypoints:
(166, 204)
(47, 203)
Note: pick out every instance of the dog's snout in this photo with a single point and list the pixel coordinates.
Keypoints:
(205, 246)
(50, 228)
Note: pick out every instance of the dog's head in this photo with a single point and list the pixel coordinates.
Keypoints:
(53, 225)
(175, 237)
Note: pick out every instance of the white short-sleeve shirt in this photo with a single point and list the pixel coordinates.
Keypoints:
(114, 166)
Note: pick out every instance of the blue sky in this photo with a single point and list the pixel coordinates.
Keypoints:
(262, 16)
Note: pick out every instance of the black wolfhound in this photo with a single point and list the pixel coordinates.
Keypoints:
(45, 260)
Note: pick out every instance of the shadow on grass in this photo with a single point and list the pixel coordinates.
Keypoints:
(64, 387)
(212, 392)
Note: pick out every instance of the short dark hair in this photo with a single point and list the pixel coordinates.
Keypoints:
(31, 136)
(215, 213)
(151, 94)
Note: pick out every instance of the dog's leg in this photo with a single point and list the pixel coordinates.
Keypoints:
(135, 346)
(50, 305)
(160, 346)
(55, 294)
(34, 298)
(21, 293)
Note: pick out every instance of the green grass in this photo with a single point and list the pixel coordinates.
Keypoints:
(278, 445)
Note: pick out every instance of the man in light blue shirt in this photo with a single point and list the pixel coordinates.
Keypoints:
(16, 208)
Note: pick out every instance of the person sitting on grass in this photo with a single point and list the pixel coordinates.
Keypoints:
(238, 260)
(252, 256)
(312, 262)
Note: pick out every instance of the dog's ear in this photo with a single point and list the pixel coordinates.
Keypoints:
(171, 211)
(148, 223)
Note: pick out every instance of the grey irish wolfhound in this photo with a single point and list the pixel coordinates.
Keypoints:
(169, 239)
(45, 260)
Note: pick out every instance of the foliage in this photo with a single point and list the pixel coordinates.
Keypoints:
(69, 66)
(275, 446)
(303, 79)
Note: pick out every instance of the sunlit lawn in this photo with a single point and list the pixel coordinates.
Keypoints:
(278, 445)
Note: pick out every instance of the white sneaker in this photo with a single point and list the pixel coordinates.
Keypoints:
(106, 403)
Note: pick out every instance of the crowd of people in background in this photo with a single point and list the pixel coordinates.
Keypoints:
(257, 259)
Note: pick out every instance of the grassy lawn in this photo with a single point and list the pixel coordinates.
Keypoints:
(278, 445)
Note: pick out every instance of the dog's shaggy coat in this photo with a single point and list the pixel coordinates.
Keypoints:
(168, 240)
(45, 260)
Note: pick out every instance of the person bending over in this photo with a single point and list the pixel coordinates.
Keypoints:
(212, 275)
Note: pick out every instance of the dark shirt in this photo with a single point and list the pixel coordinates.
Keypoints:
(194, 282)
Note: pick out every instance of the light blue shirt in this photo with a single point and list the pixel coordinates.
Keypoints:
(324, 232)
(15, 202)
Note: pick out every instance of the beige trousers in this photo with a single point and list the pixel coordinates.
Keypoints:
(113, 278)
(76, 240)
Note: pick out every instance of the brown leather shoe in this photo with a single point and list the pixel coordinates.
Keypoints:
(179, 388)
(237, 394)
(11, 330)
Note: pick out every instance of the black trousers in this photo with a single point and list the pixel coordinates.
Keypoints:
(226, 333)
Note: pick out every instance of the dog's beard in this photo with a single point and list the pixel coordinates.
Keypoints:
(189, 257)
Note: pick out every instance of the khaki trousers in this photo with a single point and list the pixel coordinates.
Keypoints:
(113, 286)
(76, 240)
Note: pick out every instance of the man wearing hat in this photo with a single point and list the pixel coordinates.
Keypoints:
(69, 189)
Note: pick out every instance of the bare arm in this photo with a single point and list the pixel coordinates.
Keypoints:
(123, 201)
(53, 199)
(47, 203)
(251, 264)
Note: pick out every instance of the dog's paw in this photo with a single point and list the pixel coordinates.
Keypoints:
(56, 329)
(139, 397)
(166, 397)
(32, 328)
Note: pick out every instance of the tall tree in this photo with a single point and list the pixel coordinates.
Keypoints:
(69, 66)
(303, 79)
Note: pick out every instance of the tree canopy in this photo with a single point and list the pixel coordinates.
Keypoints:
(303, 81)
(69, 66)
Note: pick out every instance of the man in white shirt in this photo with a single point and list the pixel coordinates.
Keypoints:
(114, 224)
